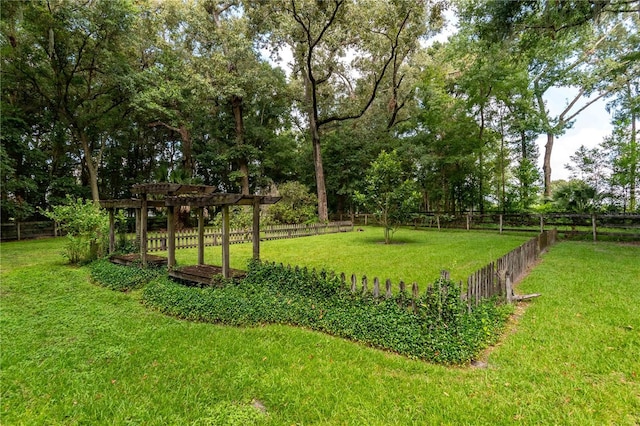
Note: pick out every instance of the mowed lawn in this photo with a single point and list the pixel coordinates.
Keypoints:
(75, 353)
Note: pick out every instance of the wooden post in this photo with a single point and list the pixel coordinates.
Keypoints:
(256, 228)
(541, 224)
(112, 231)
(201, 236)
(18, 230)
(171, 230)
(593, 226)
(508, 286)
(143, 230)
(226, 272)
(438, 221)
(468, 220)
(501, 224)
(138, 233)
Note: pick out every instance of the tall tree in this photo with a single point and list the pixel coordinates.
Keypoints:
(74, 58)
(569, 44)
(342, 51)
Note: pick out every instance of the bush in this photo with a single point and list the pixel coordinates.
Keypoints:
(442, 330)
(87, 228)
(297, 205)
(122, 278)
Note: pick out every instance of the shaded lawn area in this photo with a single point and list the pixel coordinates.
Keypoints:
(75, 353)
(414, 255)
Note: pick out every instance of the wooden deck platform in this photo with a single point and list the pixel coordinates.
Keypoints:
(134, 259)
(202, 274)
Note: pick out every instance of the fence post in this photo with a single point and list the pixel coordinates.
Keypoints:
(18, 230)
(508, 286)
(593, 226)
(415, 293)
(388, 289)
(376, 287)
(501, 224)
(541, 224)
(444, 274)
(468, 220)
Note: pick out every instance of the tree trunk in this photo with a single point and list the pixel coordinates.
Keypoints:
(92, 168)
(187, 151)
(546, 166)
(243, 164)
(312, 112)
(323, 211)
(633, 171)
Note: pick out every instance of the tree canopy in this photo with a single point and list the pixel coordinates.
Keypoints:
(251, 94)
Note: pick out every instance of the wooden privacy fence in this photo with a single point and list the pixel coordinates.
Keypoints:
(188, 238)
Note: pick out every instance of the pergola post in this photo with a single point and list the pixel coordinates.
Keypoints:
(112, 231)
(226, 271)
(201, 236)
(143, 230)
(256, 228)
(138, 225)
(171, 230)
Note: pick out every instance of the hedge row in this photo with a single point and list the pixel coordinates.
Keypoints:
(440, 330)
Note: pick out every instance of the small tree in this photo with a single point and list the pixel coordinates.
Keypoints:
(87, 228)
(388, 193)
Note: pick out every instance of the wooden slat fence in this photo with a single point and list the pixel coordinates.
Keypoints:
(496, 278)
(376, 289)
(188, 238)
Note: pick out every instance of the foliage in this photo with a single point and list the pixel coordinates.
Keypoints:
(297, 205)
(120, 277)
(388, 193)
(442, 330)
(86, 226)
(574, 196)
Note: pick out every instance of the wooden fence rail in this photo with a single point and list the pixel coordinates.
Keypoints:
(26, 230)
(188, 238)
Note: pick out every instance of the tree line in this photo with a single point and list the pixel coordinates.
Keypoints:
(98, 95)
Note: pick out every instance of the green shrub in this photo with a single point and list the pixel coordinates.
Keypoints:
(297, 205)
(442, 330)
(122, 278)
(87, 228)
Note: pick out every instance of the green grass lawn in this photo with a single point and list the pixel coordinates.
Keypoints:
(413, 256)
(75, 353)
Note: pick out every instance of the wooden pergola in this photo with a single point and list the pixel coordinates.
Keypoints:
(173, 196)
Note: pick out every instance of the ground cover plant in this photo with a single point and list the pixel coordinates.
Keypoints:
(437, 326)
(77, 353)
(121, 277)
